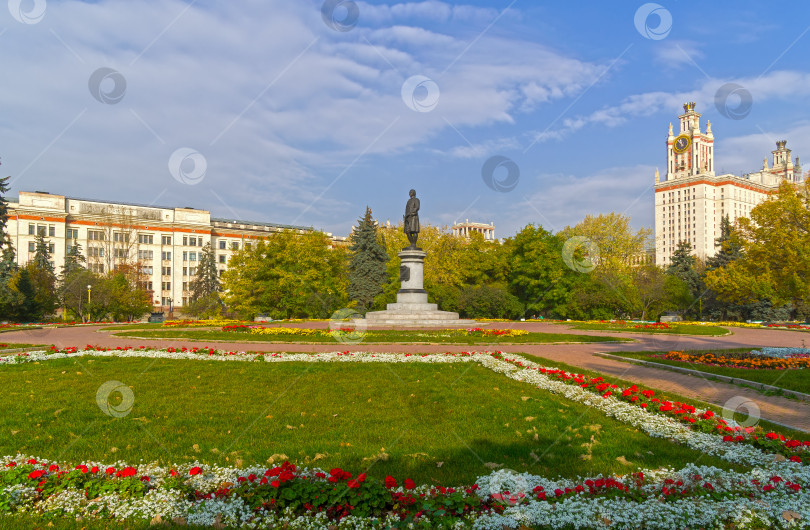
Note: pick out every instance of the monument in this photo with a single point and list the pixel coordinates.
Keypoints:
(412, 307)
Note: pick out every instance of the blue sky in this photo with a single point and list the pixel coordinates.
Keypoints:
(275, 111)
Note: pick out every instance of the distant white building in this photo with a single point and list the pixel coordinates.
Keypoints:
(466, 228)
(165, 243)
(691, 201)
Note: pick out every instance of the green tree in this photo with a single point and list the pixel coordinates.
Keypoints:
(4, 187)
(74, 260)
(73, 292)
(539, 277)
(657, 292)
(43, 280)
(485, 301)
(367, 263)
(9, 298)
(126, 300)
(206, 281)
(287, 275)
(774, 246)
(24, 307)
(685, 266)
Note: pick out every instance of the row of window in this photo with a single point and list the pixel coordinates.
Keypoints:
(123, 237)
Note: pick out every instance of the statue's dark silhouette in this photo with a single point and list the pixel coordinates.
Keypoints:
(411, 219)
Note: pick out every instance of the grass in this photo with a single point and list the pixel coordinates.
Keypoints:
(676, 329)
(14, 346)
(143, 325)
(435, 423)
(371, 337)
(796, 380)
(792, 433)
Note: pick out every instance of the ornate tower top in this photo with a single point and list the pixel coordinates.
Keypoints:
(689, 107)
(781, 143)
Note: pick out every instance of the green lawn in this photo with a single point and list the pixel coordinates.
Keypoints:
(796, 380)
(676, 329)
(142, 325)
(435, 423)
(14, 346)
(371, 336)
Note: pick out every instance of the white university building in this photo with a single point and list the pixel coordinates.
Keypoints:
(691, 201)
(165, 243)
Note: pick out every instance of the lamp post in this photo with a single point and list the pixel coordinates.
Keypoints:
(89, 287)
(170, 307)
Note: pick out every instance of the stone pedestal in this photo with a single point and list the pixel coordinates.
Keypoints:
(412, 307)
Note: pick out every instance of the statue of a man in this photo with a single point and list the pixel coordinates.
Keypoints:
(411, 218)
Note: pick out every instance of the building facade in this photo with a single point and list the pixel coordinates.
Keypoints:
(165, 243)
(691, 201)
(466, 228)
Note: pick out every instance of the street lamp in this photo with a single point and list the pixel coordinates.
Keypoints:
(89, 287)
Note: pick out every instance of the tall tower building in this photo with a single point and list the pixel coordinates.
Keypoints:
(691, 201)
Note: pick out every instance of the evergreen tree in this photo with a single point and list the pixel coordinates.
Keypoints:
(367, 263)
(42, 258)
(9, 298)
(729, 246)
(684, 266)
(206, 281)
(43, 280)
(3, 212)
(74, 260)
(24, 307)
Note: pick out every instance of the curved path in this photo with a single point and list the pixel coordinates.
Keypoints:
(788, 412)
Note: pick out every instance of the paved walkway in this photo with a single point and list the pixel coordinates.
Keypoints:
(789, 412)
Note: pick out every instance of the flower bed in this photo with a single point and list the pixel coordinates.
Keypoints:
(772, 359)
(654, 325)
(691, 497)
(200, 323)
(289, 496)
(789, 326)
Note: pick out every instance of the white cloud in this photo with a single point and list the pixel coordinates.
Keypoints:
(675, 53)
(779, 85)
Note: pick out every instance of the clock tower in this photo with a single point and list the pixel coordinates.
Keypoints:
(691, 152)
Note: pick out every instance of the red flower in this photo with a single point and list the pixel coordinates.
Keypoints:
(94, 469)
(409, 484)
(110, 470)
(353, 484)
(36, 474)
(11, 464)
(194, 471)
(275, 483)
(390, 482)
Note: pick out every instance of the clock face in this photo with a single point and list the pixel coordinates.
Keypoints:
(682, 143)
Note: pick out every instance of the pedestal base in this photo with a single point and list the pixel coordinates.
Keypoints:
(412, 307)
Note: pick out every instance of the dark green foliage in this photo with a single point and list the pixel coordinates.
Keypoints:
(3, 211)
(540, 279)
(74, 260)
(489, 302)
(367, 263)
(206, 280)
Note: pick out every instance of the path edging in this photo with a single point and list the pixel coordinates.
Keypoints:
(704, 375)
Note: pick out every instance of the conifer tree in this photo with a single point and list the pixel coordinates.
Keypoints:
(728, 246)
(206, 281)
(367, 263)
(4, 239)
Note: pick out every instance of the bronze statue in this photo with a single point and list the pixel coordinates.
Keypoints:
(411, 219)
